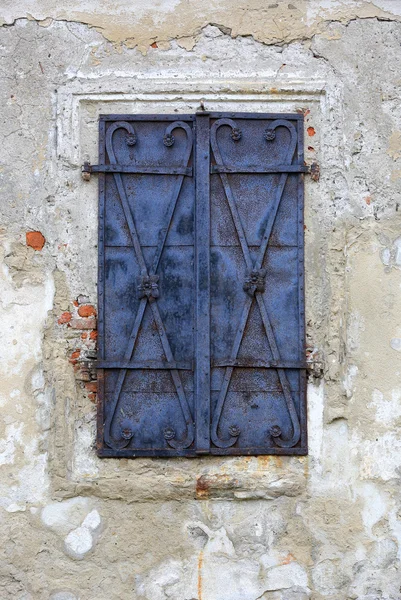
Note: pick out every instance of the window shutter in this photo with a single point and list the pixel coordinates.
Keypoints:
(201, 307)
(257, 305)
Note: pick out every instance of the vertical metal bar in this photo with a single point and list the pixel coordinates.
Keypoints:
(202, 269)
(101, 286)
(301, 286)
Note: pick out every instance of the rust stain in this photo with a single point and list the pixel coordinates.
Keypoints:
(263, 462)
(269, 461)
(287, 559)
(202, 487)
(243, 463)
(279, 462)
(217, 482)
(200, 565)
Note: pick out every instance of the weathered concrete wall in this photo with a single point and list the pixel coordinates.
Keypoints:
(325, 526)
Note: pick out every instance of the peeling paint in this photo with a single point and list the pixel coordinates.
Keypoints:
(137, 25)
(326, 525)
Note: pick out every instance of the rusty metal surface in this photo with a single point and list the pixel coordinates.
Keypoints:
(201, 293)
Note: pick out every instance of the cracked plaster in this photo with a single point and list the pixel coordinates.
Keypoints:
(326, 526)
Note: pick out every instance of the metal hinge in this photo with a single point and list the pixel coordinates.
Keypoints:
(87, 169)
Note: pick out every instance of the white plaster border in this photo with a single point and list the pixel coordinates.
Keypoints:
(164, 95)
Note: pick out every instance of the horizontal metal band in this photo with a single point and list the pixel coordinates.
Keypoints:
(153, 170)
(144, 364)
(250, 363)
(151, 117)
(260, 169)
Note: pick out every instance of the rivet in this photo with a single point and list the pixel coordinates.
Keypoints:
(234, 430)
(169, 433)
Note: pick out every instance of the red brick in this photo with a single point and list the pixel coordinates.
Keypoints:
(93, 335)
(83, 323)
(92, 398)
(35, 240)
(75, 355)
(91, 386)
(64, 318)
(87, 310)
(311, 131)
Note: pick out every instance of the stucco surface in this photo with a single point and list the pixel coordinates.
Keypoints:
(324, 526)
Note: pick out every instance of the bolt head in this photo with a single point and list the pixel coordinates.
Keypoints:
(275, 431)
(270, 134)
(131, 139)
(169, 433)
(234, 430)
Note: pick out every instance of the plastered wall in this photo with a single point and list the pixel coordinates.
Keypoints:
(324, 526)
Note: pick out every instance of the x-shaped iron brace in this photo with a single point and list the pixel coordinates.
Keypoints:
(169, 433)
(255, 267)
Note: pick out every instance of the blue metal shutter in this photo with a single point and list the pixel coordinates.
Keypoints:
(201, 309)
(257, 289)
(146, 286)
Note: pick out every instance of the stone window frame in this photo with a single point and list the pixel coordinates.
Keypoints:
(78, 107)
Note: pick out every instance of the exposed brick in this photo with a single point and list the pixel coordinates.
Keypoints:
(82, 374)
(83, 323)
(86, 310)
(84, 336)
(93, 335)
(311, 131)
(64, 318)
(91, 387)
(92, 398)
(74, 356)
(35, 240)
